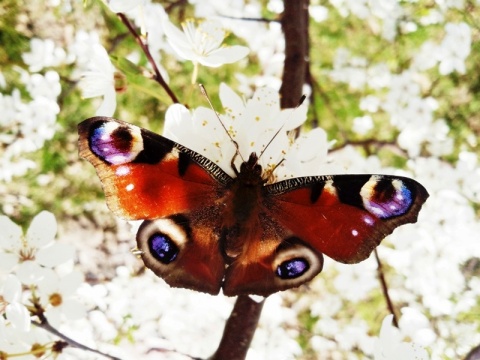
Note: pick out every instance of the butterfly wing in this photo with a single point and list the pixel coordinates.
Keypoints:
(273, 259)
(346, 216)
(147, 176)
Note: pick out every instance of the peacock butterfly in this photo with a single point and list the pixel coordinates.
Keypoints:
(206, 230)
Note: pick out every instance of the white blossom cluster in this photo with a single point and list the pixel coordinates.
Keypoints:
(26, 124)
(427, 264)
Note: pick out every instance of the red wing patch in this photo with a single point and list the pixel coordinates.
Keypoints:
(346, 216)
(144, 175)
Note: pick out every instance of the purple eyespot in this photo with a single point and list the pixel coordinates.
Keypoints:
(386, 198)
(163, 248)
(292, 268)
(115, 143)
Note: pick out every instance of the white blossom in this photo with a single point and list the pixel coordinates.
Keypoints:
(43, 53)
(252, 124)
(203, 44)
(99, 80)
(390, 346)
(57, 296)
(33, 251)
(454, 48)
(15, 311)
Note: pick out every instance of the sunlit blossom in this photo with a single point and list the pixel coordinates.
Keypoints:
(37, 249)
(256, 125)
(454, 48)
(57, 296)
(203, 44)
(99, 80)
(390, 346)
(15, 311)
(43, 53)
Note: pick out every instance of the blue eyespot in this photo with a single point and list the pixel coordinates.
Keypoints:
(387, 198)
(114, 143)
(163, 248)
(292, 268)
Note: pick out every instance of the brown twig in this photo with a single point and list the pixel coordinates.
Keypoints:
(368, 143)
(157, 76)
(383, 283)
(44, 324)
(239, 329)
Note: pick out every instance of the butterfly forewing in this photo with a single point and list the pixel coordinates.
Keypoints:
(346, 216)
(144, 175)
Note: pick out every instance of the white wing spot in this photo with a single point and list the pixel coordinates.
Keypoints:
(129, 187)
(122, 170)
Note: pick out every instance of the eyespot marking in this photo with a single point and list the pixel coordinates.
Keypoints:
(292, 268)
(386, 198)
(162, 248)
(115, 143)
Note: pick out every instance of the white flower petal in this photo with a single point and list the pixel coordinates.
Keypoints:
(73, 309)
(70, 283)
(12, 289)
(42, 230)
(231, 102)
(225, 55)
(11, 233)
(295, 117)
(55, 254)
(54, 316)
(48, 285)
(174, 34)
(18, 315)
(8, 261)
(30, 273)
(109, 103)
(177, 120)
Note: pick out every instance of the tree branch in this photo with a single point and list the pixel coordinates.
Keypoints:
(239, 329)
(44, 324)
(157, 76)
(295, 29)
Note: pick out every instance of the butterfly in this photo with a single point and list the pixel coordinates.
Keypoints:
(206, 230)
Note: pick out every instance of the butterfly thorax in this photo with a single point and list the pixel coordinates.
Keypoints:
(243, 204)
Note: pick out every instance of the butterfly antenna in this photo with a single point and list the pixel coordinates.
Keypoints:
(237, 152)
(300, 102)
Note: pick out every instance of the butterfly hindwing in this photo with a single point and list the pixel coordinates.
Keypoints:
(346, 216)
(279, 261)
(183, 249)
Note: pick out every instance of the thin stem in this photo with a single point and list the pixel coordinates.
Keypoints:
(158, 76)
(239, 329)
(383, 283)
(44, 324)
(368, 143)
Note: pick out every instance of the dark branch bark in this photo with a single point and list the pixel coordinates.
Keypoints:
(383, 283)
(239, 329)
(295, 28)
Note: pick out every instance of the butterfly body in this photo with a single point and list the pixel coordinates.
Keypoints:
(207, 231)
